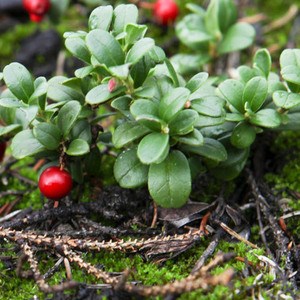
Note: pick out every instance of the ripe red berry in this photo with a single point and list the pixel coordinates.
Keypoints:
(55, 183)
(165, 11)
(36, 8)
(2, 150)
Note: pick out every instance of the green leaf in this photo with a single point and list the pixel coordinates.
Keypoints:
(234, 117)
(25, 144)
(84, 71)
(211, 149)
(144, 107)
(172, 72)
(233, 165)
(78, 147)
(4, 130)
(157, 54)
(205, 121)
(77, 46)
(239, 36)
(153, 148)
(123, 15)
(129, 171)
(282, 99)
(189, 63)
(262, 61)
(196, 81)
(48, 135)
(128, 132)
(195, 138)
(101, 17)
(67, 116)
(10, 102)
(82, 130)
(59, 92)
(19, 81)
(268, 118)
(101, 94)
(122, 104)
(243, 135)
(246, 73)
(192, 32)
(40, 88)
(120, 72)
(209, 106)
(134, 32)
(183, 123)
(233, 90)
(290, 65)
(105, 48)
(152, 122)
(227, 14)
(255, 92)
(173, 102)
(169, 182)
(139, 49)
(211, 19)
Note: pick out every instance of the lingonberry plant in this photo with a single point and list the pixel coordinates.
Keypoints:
(166, 128)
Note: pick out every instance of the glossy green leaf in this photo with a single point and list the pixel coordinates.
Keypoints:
(192, 32)
(209, 106)
(10, 102)
(246, 73)
(183, 123)
(129, 171)
(232, 90)
(19, 81)
(169, 182)
(48, 135)
(290, 65)
(144, 107)
(196, 81)
(152, 122)
(124, 14)
(78, 147)
(268, 118)
(211, 149)
(255, 92)
(128, 132)
(84, 71)
(205, 121)
(4, 130)
(262, 61)
(134, 32)
(153, 148)
(227, 14)
(172, 72)
(101, 94)
(139, 49)
(82, 130)
(211, 19)
(239, 36)
(120, 72)
(59, 92)
(78, 48)
(25, 144)
(283, 99)
(243, 135)
(189, 63)
(67, 116)
(195, 138)
(173, 102)
(105, 48)
(101, 18)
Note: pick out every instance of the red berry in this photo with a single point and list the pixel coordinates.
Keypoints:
(36, 8)
(2, 150)
(55, 183)
(165, 11)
